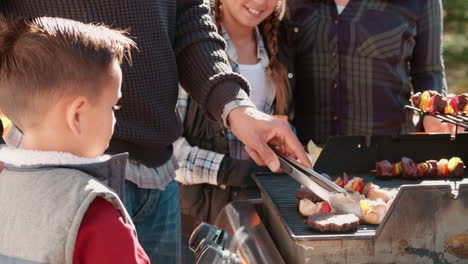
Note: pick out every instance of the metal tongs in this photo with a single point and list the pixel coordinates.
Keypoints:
(338, 198)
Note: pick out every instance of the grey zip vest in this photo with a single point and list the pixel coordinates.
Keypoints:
(41, 212)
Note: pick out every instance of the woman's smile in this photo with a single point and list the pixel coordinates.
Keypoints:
(254, 12)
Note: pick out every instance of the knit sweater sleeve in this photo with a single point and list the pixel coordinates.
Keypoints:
(203, 67)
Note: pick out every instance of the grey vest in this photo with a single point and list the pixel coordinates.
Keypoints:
(41, 213)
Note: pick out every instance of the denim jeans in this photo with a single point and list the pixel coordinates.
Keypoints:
(156, 215)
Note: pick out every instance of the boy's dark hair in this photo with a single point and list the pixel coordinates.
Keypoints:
(43, 59)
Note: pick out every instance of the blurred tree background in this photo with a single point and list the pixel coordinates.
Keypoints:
(456, 44)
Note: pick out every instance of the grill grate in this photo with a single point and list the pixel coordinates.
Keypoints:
(279, 191)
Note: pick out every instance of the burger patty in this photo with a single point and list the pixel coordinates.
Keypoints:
(304, 193)
(333, 222)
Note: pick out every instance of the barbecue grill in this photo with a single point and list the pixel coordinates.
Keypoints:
(427, 222)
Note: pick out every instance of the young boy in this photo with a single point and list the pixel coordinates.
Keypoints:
(59, 83)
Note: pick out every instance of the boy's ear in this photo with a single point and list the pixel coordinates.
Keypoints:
(74, 114)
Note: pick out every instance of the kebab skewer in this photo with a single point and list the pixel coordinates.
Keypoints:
(406, 168)
(434, 103)
(370, 197)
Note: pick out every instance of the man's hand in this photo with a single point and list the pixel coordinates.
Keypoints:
(434, 125)
(257, 130)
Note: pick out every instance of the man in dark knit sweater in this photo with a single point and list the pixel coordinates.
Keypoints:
(177, 43)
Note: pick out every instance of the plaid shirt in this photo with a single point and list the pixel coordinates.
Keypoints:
(356, 71)
(199, 165)
(196, 165)
(144, 177)
(236, 147)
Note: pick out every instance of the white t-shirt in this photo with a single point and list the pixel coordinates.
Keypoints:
(260, 90)
(340, 9)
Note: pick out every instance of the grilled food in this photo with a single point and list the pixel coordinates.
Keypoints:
(304, 193)
(308, 208)
(384, 168)
(333, 222)
(369, 190)
(406, 168)
(373, 192)
(374, 201)
(434, 103)
(374, 211)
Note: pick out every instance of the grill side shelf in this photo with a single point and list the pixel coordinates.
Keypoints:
(427, 221)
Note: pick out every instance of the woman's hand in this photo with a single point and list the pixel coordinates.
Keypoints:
(434, 125)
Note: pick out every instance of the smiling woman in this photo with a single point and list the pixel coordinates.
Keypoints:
(214, 166)
(238, 21)
(246, 13)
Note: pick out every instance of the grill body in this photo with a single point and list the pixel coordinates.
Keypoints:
(427, 223)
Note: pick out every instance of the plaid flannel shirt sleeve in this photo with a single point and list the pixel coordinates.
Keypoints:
(196, 165)
(427, 64)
